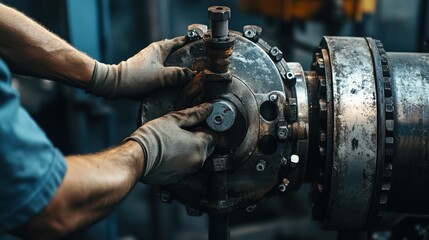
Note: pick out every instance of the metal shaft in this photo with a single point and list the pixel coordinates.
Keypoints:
(219, 226)
(218, 193)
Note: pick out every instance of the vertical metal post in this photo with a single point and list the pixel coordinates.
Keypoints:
(218, 192)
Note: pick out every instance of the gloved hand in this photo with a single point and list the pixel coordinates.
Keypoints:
(140, 74)
(170, 151)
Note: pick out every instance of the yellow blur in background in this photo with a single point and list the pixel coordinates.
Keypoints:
(307, 9)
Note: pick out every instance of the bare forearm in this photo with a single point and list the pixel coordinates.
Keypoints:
(93, 186)
(32, 50)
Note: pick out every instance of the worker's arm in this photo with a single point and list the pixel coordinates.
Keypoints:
(93, 186)
(159, 152)
(30, 49)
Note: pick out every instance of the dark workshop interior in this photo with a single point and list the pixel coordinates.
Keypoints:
(287, 207)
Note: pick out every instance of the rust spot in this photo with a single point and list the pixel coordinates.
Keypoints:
(355, 144)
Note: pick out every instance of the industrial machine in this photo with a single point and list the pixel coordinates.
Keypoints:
(356, 126)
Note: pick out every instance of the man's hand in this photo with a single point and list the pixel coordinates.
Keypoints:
(172, 152)
(141, 73)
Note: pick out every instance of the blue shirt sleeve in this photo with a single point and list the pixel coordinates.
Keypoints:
(31, 168)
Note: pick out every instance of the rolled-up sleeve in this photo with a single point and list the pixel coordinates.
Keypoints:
(31, 168)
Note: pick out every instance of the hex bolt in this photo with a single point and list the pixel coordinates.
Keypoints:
(219, 16)
(294, 160)
(260, 166)
(282, 134)
(250, 33)
(282, 187)
(192, 34)
(290, 75)
(273, 97)
(250, 208)
(276, 54)
(165, 196)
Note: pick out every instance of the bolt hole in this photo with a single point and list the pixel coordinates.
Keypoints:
(218, 119)
(219, 8)
(268, 111)
(267, 144)
(290, 75)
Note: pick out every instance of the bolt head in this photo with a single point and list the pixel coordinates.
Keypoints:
(250, 208)
(165, 197)
(250, 33)
(294, 159)
(219, 13)
(290, 75)
(192, 34)
(273, 97)
(282, 187)
(276, 54)
(260, 166)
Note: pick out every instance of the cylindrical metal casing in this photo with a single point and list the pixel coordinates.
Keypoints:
(377, 133)
(409, 190)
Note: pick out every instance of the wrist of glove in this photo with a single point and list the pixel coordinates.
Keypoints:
(172, 152)
(139, 74)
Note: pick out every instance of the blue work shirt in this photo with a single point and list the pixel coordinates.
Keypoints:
(31, 168)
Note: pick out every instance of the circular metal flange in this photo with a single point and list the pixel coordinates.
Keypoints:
(351, 164)
(222, 117)
(254, 75)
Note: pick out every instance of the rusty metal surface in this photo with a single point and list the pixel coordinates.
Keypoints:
(255, 79)
(410, 87)
(354, 133)
(300, 129)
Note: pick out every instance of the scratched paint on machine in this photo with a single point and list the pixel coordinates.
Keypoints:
(354, 131)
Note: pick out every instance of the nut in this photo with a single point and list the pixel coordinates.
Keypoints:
(165, 196)
(273, 97)
(219, 13)
(250, 208)
(282, 130)
(252, 32)
(282, 187)
(294, 160)
(260, 166)
(276, 54)
(290, 75)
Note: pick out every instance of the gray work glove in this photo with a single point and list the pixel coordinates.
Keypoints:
(170, 151)
(140, 74)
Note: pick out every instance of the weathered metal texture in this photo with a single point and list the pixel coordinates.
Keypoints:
(299, 130)
(384, 161)
(222, 117)
(410, 87)
(354, 133)
(323, 119)
(255, 78)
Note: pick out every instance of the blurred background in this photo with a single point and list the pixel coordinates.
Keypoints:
(114, 30)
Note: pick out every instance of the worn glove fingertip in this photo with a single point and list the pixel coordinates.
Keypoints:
(206, 109)
(176, 76)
